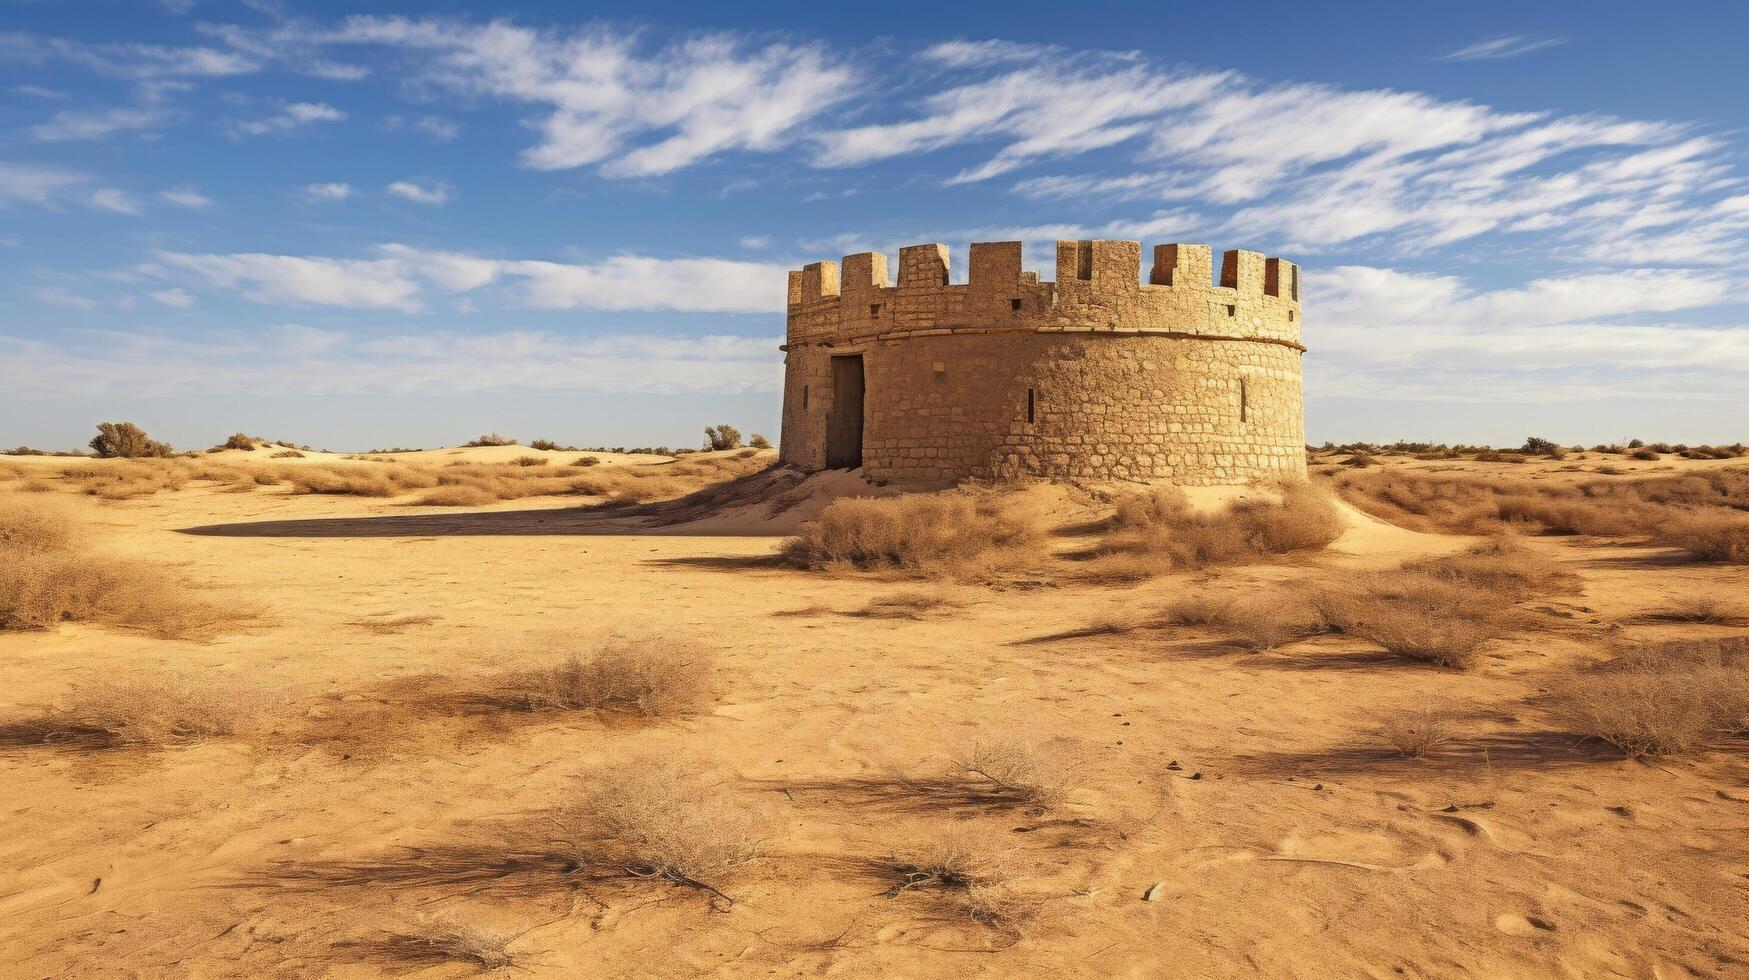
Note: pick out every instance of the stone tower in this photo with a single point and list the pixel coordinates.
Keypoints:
(1098, 375)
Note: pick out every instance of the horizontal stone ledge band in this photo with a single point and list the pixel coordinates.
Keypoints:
(1078, 331)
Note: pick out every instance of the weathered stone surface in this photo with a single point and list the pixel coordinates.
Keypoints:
(1094, 376)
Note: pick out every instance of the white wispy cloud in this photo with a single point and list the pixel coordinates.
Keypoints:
(178, 298)
(35, 184)
(333, 191)
(1392, 334)
(419, 192)
(41, 92)
(61, 296)
(185, 197)
(298, 360)
(1043, 109)
(1502, 47)
(402, 277)
(611, 102)
(294, 115)
(1309, 166)
(972, 54)
(353, 283)
(115, 200)
(68, 126)
(437, 127)
(128, 60)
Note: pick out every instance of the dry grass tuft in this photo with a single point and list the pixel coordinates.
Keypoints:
(1261, 621)
(965, 869)
(385, 480)
(448, 942)
(958, 534)
(1471, 503)
(1161, 528)
(48, 576)
(1042, 774)
(1419, 733)
(456, 496)
(650, 678)
(1504, 566)
(393, 624)
(914, 604)
(1420, 616)
(1709, 609)
(651, 818)
(1642, 713)
(458, 483)
(1712, 537)
(159, 712)
(1659, 699)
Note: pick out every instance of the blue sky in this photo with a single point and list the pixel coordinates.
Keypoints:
(351, 226)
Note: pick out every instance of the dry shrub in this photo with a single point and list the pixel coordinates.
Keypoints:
(239, 441)
(586, 461)
(1472, 503)
(126, 440)
(1709, 609)
(126, 479)
(387, 480)
(1659, 698)
(439, 943)
(489, 439)
(1570, 516)
(33, 527)
(1162, 526)
(1640, 712)
(965, 869)
(1420, 616)
(287, 454)
(1504, 566)
(48, 576)
(162, 711)
(456, 496)
(959, 533)
(1197, 610)
(1041, 774)
(915, 604)
(649, 678)
(1418, 733)
(652, 818)
(1261, 621)
(1712, 537)
(721, 437)
(529, 461)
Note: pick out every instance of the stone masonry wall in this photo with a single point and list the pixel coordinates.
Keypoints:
(1094, 376)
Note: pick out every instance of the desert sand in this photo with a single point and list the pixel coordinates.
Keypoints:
(1234, 815)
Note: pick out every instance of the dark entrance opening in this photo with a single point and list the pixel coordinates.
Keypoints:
(844, 422)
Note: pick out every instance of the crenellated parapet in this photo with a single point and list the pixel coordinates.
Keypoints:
(1099, 288)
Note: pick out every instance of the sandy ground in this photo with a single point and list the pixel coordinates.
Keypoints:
(1240, 788)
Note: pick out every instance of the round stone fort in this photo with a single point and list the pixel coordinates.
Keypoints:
(1185, 378)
